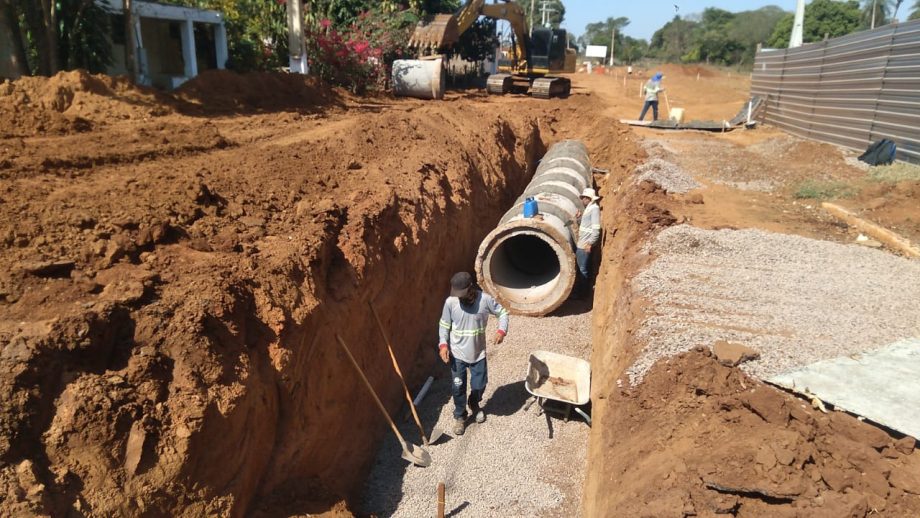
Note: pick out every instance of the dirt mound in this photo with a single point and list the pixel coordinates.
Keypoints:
(226, 91)
(890, 204)
(695, 70)
(699, 438)
(74, 101)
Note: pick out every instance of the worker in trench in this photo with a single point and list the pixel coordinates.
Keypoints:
(462, 330)
(589, 230)
(651, 89)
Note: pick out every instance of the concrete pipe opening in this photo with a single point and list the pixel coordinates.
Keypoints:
(527, 270)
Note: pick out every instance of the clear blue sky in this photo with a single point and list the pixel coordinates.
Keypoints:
(647, 16)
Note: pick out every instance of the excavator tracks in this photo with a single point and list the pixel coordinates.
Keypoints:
(541, 87)
(499, 84)
(547, 87)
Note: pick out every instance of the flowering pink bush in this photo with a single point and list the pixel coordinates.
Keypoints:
(359, 56)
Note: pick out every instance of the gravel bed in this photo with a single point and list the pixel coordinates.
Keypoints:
(753, 185)
(507, 466)
(666, 175)
(794, 299)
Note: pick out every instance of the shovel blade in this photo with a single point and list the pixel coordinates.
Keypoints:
(436, 433)
(416, 455)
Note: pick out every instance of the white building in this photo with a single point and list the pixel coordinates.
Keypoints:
(172, 43)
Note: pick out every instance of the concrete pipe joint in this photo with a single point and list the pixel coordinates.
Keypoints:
(528, 263)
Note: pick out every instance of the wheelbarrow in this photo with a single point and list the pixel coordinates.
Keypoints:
(559, 384)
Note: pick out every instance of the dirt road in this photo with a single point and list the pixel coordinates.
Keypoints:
(175, 269)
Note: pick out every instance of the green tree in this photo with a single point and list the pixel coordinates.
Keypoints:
(822, 18)
(555, 15)
(673, 40)
(750, 28)
(599, 33)
(880, 8)
(54, 35)
(915, 13)
(631, 49)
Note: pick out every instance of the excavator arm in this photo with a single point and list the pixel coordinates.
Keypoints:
(444, 30)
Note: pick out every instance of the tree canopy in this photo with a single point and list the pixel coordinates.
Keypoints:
(915, 12)
(53, 35)
(822, 18)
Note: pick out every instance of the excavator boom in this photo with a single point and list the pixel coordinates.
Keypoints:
(443, 30)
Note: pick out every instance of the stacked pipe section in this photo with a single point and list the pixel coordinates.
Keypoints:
(528, 263)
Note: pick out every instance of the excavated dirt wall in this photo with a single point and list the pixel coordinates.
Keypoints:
(168, 320)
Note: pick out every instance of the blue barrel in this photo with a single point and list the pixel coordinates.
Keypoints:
(530, 208)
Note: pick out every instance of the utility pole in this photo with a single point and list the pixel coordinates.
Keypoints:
(613, 42)
(545, 11)
(798, 26)
(873, 13)
(532, 8)
(296, 44)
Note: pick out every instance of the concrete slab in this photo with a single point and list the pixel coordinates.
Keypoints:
(881, 385)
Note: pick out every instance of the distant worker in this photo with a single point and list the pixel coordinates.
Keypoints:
(463, 343)
(652, 89)
(589, 230)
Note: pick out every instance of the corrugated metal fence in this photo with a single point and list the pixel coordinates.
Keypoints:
(848, 91)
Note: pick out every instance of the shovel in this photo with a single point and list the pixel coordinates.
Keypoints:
(435, 433)
(412, 453)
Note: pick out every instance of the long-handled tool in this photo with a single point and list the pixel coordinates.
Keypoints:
(435, 433)
(412, 453)
(667, 103)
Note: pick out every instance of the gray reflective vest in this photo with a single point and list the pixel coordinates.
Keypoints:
(463, 328)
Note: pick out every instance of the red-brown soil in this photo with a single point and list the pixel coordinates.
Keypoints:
(174, 279)
(698, 438)
(175, 268)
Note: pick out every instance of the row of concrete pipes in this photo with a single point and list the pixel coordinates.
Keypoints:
(528, 261)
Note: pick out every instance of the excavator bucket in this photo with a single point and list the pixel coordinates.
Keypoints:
(435, 32)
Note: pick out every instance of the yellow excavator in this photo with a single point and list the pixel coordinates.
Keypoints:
(531, 63)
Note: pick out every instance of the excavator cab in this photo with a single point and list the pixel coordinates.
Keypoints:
(549, 53)
(547, 49)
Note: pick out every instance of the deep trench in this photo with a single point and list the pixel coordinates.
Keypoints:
(407, 287)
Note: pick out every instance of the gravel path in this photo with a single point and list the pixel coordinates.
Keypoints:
(796, 300)
(666, 175)
(507, 466)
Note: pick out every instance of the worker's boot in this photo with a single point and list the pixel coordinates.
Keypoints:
(478, 414)
(459, 426)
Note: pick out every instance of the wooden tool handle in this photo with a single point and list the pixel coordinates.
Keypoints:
(440, 499)
(371, 389)
(386, 340)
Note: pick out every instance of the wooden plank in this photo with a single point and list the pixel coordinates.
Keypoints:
(882, 234)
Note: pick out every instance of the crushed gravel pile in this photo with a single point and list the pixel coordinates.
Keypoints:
(666, 175)
(507, 466)
(794, 299)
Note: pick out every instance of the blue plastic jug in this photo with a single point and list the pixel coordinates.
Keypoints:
(530, 208)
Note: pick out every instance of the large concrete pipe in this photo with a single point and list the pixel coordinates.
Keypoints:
(528, 264)
(422, 78)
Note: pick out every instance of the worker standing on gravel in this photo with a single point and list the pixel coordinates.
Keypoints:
(463, 343)
(652, 88)
(589, 230)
